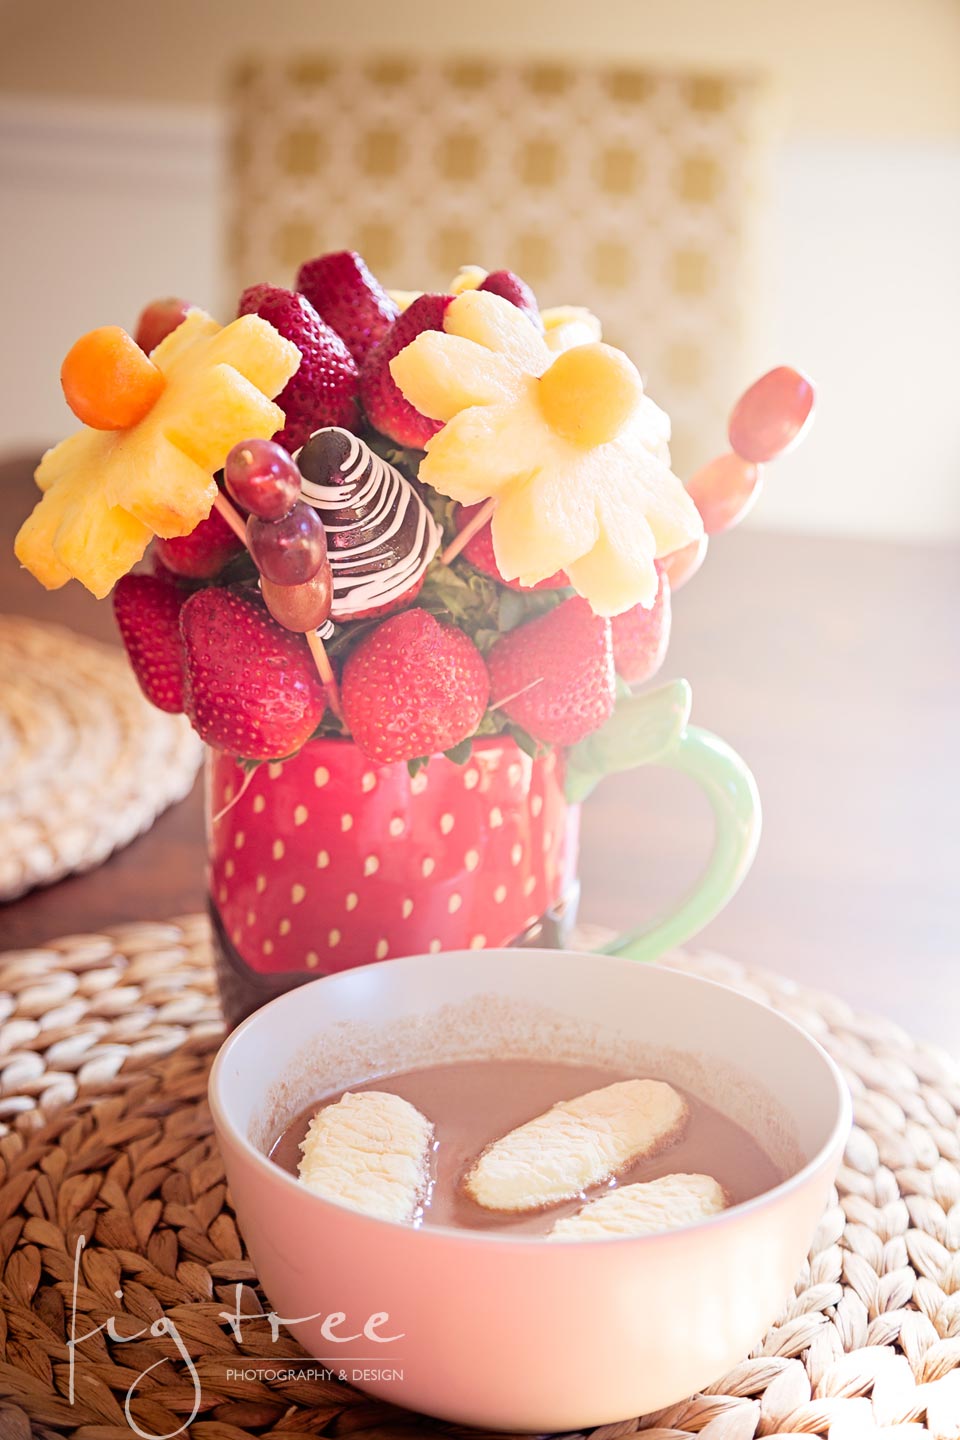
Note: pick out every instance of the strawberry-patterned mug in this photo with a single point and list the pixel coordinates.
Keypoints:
(326, 861)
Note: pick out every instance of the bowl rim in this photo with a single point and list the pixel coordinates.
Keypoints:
(445, 1233)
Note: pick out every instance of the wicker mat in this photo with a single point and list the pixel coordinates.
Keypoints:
(86, 764)
(103, 1063)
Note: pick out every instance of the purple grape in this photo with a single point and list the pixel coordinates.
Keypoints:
(262, 478)
(291, 550)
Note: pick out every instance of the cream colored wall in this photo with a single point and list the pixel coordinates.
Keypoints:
(847, 67)
(109, 148)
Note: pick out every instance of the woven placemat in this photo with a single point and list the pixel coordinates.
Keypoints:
(86, 764)
(104, 1053)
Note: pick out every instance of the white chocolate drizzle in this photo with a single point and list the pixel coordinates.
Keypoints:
(380, 535)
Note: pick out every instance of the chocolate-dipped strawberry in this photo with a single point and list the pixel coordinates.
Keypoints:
(380, 535)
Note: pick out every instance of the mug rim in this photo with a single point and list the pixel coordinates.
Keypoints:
(501, 740)
(839, 1127)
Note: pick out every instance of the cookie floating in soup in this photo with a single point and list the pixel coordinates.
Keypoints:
(370, 1151)
(577, 1144)
(645, 1208)
(625, 1132)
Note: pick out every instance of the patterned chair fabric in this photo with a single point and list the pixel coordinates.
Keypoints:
(631, 191)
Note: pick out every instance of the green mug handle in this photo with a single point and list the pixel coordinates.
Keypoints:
(654, 729)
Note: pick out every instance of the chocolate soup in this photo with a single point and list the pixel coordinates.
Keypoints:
(475, 1102)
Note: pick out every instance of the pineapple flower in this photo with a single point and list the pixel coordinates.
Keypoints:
(554, 427)
(108, 492)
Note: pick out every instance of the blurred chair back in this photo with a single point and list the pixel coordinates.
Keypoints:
(632, 191)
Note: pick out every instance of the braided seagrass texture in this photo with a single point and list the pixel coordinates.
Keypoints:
(86, 764)
(103, 1061)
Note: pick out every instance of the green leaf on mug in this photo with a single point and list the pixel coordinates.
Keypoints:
(640, 731)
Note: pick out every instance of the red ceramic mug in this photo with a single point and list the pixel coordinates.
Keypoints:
(326, 861)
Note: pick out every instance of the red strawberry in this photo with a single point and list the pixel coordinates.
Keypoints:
(204, 552)
(344, 293)
(413, 687)
(158, 320)
(479, 551)
(554, 675)
(641, 637)
(252, 688)
(324, 389)
(517, 291)
(148, 614)
(386, 408)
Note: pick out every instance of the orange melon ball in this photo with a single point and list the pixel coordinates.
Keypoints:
(108, 382)
(589, 393)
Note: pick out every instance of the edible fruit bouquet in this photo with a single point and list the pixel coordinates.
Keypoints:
(402, 560)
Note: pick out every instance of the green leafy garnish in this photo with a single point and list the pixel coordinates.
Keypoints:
(640, 731)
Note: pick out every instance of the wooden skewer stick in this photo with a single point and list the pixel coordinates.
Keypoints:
(468, 531)
(324, 669)
(320, 657)
(233, 517)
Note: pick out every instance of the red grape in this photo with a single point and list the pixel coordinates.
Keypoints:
(262, 478)
(681, 565)
(300, 607)
(158, 320)
(771, 416)
(290, 550)
(724, 491)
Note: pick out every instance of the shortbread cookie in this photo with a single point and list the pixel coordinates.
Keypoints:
(576, 1144)
(644, 1209)
(371, 1151)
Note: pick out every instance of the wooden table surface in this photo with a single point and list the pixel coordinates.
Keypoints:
(831, 665)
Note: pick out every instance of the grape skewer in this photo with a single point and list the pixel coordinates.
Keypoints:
(263, 478)
(770, 418)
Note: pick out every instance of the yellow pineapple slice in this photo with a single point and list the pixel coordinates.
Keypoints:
(575, 454)
(403, 299)
(501, 327)
(74, 532)
(250, 346)
(468, 277)
(107, 492)
(567, 325)
(444, 374)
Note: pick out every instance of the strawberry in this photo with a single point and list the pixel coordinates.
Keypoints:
(148, 614)
(386, 408)
(554, 675)
(413, 687)
(479, 551)
(204, 552)
(158, 320)
(517, 291)
(324, 389)
(641, 637)
(344, 294)
(251, 685)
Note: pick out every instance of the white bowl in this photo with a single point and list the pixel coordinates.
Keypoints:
(511, 1332)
